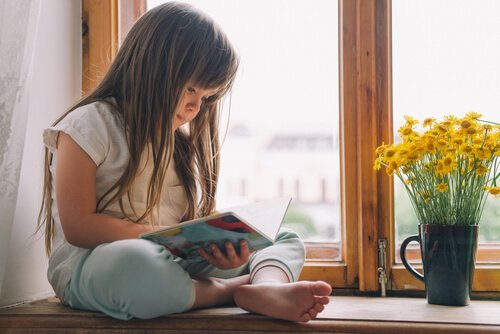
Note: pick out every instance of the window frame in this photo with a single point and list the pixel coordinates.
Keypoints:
(365, 111)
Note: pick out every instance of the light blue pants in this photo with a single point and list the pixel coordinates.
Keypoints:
(139, 279)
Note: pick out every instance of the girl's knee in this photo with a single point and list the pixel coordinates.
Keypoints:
(137, 278)
(291, 238)
(132, 254)
(287, 234)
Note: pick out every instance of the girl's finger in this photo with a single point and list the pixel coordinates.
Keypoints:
(216, 252)
(244, 251)
(205, 255)
(231, 252)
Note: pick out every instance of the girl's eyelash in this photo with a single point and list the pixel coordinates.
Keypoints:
(204, 98)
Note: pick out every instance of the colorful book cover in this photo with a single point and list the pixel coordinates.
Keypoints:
(184, 239)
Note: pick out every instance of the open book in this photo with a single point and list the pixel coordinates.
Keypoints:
(258, 223)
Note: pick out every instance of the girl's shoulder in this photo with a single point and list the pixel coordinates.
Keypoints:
(98, 113)
(99, 119)
(96, 127)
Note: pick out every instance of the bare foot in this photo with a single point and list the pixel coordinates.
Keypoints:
(299, 301)
(211, 291)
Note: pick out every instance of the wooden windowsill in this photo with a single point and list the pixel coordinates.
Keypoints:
(342, 315)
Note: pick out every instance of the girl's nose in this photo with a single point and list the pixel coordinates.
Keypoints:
(194, 106)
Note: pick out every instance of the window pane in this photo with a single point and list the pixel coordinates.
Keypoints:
(445, 61)
(282, 135)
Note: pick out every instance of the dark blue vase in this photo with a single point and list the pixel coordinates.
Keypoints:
(448, 258)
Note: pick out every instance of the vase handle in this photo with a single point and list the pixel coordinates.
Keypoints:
(402, 254)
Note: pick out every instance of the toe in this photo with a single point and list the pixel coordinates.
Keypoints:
(321, 288)
(319, 307)
(305, 317)
(321, 300)
(313, 313)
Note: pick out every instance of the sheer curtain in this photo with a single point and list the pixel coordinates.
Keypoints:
(18, 27)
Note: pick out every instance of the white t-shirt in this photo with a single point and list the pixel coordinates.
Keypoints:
(99, 131)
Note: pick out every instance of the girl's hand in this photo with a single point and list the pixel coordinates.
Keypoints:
(229, 260)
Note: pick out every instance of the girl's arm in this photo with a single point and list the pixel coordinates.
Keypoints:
(76, 200)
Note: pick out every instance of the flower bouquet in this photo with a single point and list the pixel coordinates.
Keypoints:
(448, 169)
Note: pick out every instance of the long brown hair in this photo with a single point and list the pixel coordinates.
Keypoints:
(170, 46)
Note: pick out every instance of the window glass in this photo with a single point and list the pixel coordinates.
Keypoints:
(282, 132)
(445, 62)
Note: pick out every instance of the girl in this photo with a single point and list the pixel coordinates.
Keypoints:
(142, 150)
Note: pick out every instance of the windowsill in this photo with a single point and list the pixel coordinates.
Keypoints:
(397, 309)
(343, 314)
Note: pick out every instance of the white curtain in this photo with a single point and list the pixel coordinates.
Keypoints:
(18, 27)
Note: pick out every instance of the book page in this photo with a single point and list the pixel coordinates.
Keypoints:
(266, 216)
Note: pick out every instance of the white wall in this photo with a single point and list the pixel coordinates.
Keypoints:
(55, 84)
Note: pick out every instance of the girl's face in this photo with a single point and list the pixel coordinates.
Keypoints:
(190, 103)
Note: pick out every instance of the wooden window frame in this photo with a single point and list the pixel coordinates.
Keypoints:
(365, 56)
(104, 24)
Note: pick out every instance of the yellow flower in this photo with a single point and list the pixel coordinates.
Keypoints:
(465, 124)
(410, 121)
(381, 149)
(481, 170)
(407, 131)
(431, 147)
(448, 161)
(483, 154)
(477, 141)
(440, 168)
(393, 165)
(451, 150)
(442, 187)
(466, 149)
(428, 122)
(450, 119)
(442, 143)
(414, 156)
(442, 128)
(495, 191)
(473, 115)
(471, 131)
(389, 153)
